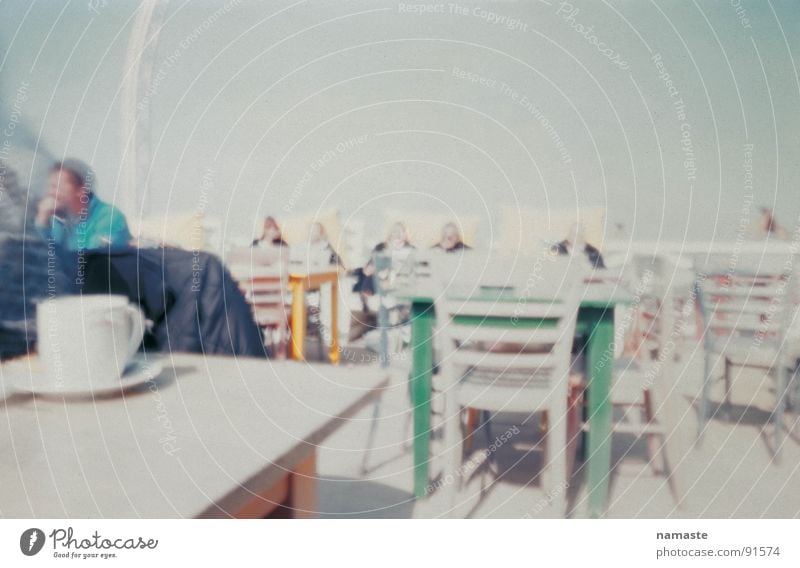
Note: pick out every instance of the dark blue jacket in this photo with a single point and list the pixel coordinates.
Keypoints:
(192, 300)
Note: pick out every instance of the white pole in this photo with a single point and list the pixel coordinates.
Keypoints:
(135, 107)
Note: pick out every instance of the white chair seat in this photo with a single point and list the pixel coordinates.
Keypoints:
(507, 392)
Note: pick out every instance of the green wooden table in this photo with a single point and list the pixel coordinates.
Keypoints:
(595, 323)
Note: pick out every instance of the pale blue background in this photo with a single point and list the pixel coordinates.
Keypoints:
(220, 111)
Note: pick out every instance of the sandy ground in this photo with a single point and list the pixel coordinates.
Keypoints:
(731, 474)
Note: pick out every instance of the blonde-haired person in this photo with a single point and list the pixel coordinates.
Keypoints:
(319, 247)
(451, 240)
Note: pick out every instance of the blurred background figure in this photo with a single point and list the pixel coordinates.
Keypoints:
(14, 205)
(320, 251)
(188, 297)
(575, 243)
(396, 241)
(765, 226)
(31, 269)
(73, 217)
(270, 234)
(451, 240)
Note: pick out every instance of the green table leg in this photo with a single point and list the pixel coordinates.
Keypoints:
(599, 324)
(422, 318)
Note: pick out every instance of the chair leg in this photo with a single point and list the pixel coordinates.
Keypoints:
(780, 405)
(383, 326)
(278, 341)
(574, 430)
(472, 423)
(792, 389)
(282, 351)
(486, 426)
(273, 341)
(556, 489)
(672, 477)
(703, 410)
(373, 428)
(728, 385)
(668, 457)
(322, 352)
(451, 477)
(408, 427)
(654, 449)
(286, 335)
(547, 479)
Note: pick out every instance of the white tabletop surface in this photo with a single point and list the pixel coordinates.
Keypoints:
(193, 442)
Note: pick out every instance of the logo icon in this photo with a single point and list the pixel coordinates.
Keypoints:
(31, 541)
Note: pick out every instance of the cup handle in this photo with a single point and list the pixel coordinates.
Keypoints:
(137, 329)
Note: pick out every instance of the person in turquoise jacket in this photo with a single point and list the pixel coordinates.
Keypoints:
(73, 217)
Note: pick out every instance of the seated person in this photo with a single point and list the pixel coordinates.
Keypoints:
(396, 240)
(767, 226)
(576, 241)
(319, 248)
(31, 269)
(73, 217)
(270, 234)
(192, 302)
(451, 239)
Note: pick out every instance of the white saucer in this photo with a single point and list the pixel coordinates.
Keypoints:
(31, 378)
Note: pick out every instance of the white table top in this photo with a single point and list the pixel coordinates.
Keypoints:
(193, 442)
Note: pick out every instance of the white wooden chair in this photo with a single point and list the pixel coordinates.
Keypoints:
(745, 303)
(508, 336)
(643, 384)
(264, 281)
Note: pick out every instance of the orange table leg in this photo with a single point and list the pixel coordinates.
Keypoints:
(298, 320)
(334, 349)
(304, 490)
(472, 423)
(266, 503)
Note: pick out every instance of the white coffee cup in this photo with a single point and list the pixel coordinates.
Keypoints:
(87, 341)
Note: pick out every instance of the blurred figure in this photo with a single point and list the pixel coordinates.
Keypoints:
(73, 217)
(396, 241)
(189, 297)
(766, 226)
(270, 234)
(31, 270)
(451, 240)
(575, 243)
(15, 208)
(320, 248)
